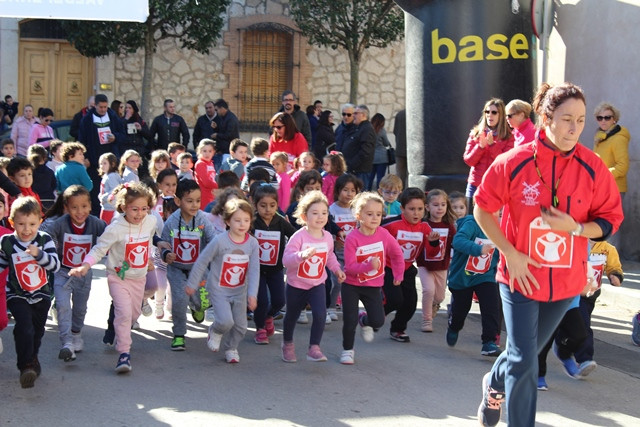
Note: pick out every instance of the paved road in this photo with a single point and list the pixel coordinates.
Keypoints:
(421, 383)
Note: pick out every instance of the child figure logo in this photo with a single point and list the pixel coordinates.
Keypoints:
(30, 275)
(550, 246)
(530, 194)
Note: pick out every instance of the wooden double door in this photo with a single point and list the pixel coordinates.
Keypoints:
(54, 75)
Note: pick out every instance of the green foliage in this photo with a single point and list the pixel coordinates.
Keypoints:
(354, 25)
(195, 23)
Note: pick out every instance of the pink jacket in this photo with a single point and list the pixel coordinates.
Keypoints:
(479, 159)
(306, 274)
(525, 133)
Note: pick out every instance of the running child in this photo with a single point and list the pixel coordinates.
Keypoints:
(412, 234)
(111, 179)
(368, 250)
(188, 231)
(432, 268)
(75, 233)
(473, 269)
(31, 258)
(334, 167)
(345, 190)
(389, 188)
(272, 232)
(305, 257)
(205, 172)
(127, 240)
(129, 164)
(232, 282)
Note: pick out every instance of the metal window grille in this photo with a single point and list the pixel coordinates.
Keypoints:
(265, 69)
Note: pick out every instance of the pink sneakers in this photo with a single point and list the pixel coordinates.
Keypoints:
(315, 354)
(261, 337)
(288, 352)
(269, 326)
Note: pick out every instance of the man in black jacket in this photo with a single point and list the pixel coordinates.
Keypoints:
(101, 131)
(169, 126)
(77, 118)
(206, 124)
(359, 148)
(227, 129)
(290, 107)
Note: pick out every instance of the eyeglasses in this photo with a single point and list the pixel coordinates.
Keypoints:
(601, 118)
(492, 112)
(278, 127)
(347, 114)
(511, 115)
(390, 193)
(288, 100)
(47, 120)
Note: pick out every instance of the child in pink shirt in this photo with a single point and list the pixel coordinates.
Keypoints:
(367, 251)
(279, 161)
(305, 257)
(334, 166)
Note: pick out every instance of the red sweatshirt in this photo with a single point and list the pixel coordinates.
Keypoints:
(206, 178)
(441, 260)
(411, 237)
(584, 188)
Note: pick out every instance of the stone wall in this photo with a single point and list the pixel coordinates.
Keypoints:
(191, 78)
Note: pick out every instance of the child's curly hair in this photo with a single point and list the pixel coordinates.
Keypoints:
(128, 192)
(235, 205)
(361, 199)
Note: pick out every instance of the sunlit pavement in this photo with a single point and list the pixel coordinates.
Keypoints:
(420, 383)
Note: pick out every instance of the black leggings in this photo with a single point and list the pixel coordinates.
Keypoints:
(297, 300)
(402, 299)
(371, 297)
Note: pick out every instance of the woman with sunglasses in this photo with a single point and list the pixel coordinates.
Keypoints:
(22, 128)
(285, 137)
(489, 138)
(522, 127)
(559, 194)
(612, 143)
(41, 133)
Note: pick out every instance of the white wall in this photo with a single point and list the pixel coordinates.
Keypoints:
(600, 39)
(9, 57)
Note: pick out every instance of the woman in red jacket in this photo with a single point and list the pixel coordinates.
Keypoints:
(489, 138)
(559, 194)
(285, 137)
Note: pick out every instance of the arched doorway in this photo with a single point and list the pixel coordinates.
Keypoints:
(52, 73)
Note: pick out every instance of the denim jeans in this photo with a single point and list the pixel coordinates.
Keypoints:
(529, 324)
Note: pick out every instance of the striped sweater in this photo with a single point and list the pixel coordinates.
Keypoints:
(29, 278)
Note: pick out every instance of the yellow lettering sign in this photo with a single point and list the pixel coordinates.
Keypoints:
(472, 48)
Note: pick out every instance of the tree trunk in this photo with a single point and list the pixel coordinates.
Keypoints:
(354, 64)
(147, 75)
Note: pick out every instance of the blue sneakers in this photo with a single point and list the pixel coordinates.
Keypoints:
(490, 349)
(542, 384)
(569, 365)
(124, 364)
(490, 408)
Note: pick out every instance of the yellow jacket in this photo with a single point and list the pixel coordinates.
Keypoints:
(614, 151)
(613, 265)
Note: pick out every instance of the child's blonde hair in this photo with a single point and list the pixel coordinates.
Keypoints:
(156, 156)
(391, 182)
(37, 154)
(130, 191)
(338, 165)
(26, 206)
(234, 205)
(316, 162)
(359, 202)
(449, 217)
(125, 158)
(113, 163)
(279, 155)
(309, 199)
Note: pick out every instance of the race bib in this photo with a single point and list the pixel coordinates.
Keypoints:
(347, 223)
(74, 249)
(31, 276)
(136, 251)
(596, 267)
(313, 267)
(410, 242)
(368, 253)
(186, 246)
(234, 270)
(103, 134)
(268, 246)
(442, 245)
(551, 248)
(482, 263)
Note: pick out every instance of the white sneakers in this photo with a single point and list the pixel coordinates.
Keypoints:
(232, 356)
(303, 319)
(77, 342)
(146, 308)
(347, 357)
(213, 341)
